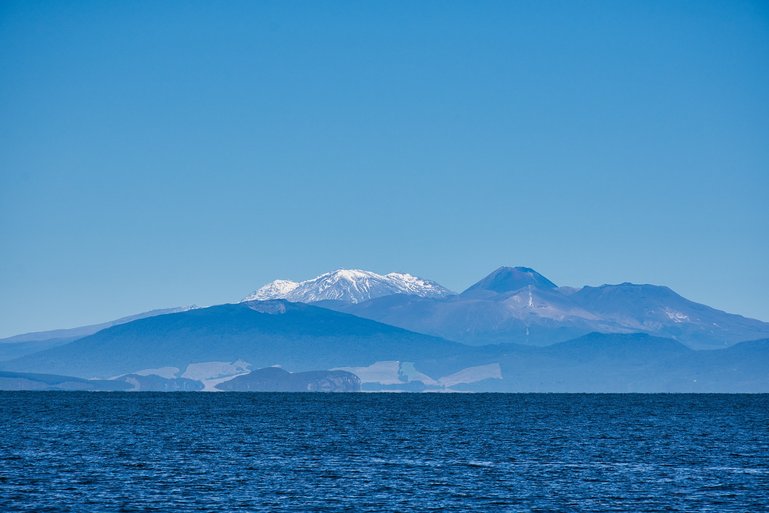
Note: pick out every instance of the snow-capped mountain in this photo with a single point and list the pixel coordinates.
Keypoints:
(349, 286)
(519, 305)
(278, 289)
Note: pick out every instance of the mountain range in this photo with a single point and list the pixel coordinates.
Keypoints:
(19, 345)
(513, 330)
(297, 336)
(350, 286)
(519, 305)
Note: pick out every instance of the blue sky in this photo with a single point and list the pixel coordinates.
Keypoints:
(155, 154)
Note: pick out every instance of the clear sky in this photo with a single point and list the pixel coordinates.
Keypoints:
(155, 154)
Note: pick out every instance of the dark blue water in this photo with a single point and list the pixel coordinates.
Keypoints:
(106, 452)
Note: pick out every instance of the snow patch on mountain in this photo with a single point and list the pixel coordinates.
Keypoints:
(213, 373)
(163, 372)
(384, 372)
(350, 286)
(277, 289)
(676, 317)
(209, 370)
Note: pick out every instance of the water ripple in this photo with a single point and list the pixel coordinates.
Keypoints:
(110, 452)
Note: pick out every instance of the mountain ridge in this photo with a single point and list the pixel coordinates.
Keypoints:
(349, 285)
(519, 305)
(509, 279)
(511, 305)
(299, 336)
(218, 348)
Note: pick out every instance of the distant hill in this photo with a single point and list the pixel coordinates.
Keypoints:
(367, 355)
(274, 379)
(511, 305)
(28, 343)
(12, 350)
(296, 336)
(518, 305)
(614, 363)
(512, 331)
(30, 381)
(509, 279)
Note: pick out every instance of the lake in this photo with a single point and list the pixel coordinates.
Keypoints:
(102, 452)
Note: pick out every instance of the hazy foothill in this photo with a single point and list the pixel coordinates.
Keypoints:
(351, 330)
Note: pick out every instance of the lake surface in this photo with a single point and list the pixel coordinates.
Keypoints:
(104, 452)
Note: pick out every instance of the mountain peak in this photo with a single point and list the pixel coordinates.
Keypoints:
(273, 290)
(349, 286)
(509, 279)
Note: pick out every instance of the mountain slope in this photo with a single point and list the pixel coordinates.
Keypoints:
(11, 350)
(519, 305)
(302, 337)
(274, 379)
(28, 343)
(613, 363)
(660, 311)
(351, 286)
(28, 381)
(509, 279)
(511, 305)
(528, 317)
(296, 336)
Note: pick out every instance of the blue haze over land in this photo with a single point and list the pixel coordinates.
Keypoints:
(162, 154)
(512, 331)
